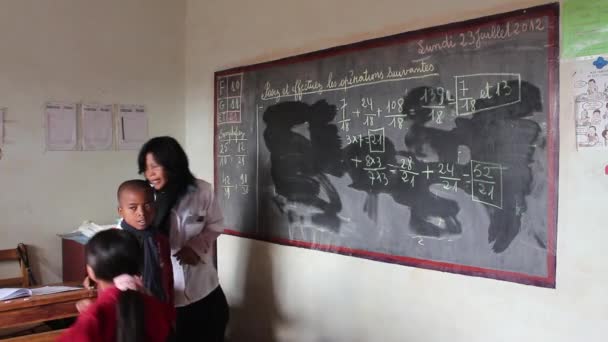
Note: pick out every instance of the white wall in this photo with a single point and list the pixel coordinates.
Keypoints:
(288, 294)
(111, 51)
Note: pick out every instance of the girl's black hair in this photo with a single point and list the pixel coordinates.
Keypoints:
(111, 253)
(169, 154)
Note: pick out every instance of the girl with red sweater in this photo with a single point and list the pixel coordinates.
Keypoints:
(121, 312)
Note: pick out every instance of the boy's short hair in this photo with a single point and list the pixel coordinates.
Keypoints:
(133, 185)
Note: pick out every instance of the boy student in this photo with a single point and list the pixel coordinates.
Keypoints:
(136, 208)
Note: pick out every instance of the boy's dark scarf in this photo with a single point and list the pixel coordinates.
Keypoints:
(152, 276)
(165, 200)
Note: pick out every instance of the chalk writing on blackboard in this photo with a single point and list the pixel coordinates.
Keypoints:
(232, 140)
(434, 148)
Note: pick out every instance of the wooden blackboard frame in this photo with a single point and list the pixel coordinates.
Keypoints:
(551, 11)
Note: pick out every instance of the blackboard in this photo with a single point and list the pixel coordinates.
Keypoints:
(436, 148)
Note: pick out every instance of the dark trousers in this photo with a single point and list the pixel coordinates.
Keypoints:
(204, 320)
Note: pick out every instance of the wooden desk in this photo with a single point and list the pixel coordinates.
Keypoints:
(73, 261)
(48, 336)
(37, 309)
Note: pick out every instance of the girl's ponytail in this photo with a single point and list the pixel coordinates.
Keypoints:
(130, 317)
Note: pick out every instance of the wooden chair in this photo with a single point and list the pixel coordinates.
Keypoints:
(20, 256)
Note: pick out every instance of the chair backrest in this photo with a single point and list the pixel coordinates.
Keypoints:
(18, 255)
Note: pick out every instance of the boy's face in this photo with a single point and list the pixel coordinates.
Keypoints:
(136, 207)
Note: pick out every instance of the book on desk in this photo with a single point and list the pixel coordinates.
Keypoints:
(53, 311)
(14, 292)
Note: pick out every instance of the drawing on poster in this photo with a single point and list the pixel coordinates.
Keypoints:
(591, 104)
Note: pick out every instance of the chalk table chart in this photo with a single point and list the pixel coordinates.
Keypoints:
(436, 148)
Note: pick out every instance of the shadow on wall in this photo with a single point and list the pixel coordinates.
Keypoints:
(257, 317)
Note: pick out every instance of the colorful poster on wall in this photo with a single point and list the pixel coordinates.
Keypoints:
(584, 28)
(591, 102)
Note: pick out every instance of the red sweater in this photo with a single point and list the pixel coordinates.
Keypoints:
(98, 322)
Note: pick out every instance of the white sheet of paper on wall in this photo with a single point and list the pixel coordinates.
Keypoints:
(132, 123)
(61, 126)
(97, 127)
(2, 110)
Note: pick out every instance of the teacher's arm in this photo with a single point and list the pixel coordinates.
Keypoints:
(214, 225)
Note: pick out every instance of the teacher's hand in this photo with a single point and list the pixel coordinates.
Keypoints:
(187, 256)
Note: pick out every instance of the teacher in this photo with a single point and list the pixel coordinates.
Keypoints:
(188, 212)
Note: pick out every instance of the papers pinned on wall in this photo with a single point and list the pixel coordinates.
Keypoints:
(94, 129)
(2, 111)
(61, 126)
(132, 127)
(97, 127)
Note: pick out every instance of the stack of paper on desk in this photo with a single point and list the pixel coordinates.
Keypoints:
(12, 293)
